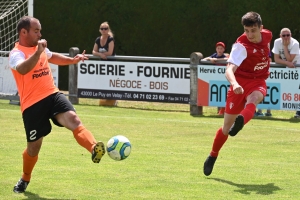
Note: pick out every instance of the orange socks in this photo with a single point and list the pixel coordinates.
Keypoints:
(220, 139)
(28, 165)
(84, 138)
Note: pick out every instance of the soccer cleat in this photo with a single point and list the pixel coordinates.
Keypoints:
(297, 115)
(209, 165)
(259, 114)
(268, 114)
(98, 152)
(237, 126)
(21, 186)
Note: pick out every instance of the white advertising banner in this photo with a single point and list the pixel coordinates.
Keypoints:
(156, 82)
(283, 88)
(7, 82)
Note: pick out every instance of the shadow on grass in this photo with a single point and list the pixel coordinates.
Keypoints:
(265, 189)
(30, 195)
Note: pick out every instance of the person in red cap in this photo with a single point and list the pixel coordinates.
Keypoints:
(219, 54)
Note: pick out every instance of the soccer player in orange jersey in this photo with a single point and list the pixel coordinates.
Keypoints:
(247, 71)
(40, 99)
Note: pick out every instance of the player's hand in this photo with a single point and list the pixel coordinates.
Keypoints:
(42, 44)
(80, 57)
(237, 89)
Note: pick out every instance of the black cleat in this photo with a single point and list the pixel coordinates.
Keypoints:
(209, 165)
(237, 126)
(21, 186)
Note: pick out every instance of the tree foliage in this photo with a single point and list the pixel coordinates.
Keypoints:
(159, 28)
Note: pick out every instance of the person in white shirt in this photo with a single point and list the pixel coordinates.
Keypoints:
(286, 52)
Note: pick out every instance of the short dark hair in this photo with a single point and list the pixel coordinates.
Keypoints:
(251, 19)
(24, 22)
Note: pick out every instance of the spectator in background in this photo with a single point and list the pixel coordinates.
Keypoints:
(105, 46)
(286, 52)
(219, 55)
(259, 112)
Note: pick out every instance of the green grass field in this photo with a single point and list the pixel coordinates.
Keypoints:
(169, 147)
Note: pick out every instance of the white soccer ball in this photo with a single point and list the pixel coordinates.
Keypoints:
(118, 147)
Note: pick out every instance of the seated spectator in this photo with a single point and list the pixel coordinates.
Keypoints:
(105, 46)
(286, 52)
(219, 54)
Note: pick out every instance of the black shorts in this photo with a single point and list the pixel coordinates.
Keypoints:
(37, 117)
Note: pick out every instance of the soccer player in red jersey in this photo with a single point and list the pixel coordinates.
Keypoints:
(247, 70)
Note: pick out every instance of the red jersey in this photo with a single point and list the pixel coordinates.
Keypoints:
(256, 64)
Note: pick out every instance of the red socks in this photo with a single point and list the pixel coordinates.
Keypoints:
(248, 112)
(28, 165)
(220, 139)
(85, 138)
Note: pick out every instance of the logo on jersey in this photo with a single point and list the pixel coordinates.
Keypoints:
(41, 72)
(254, 50)
(231, 105)
(260, 66)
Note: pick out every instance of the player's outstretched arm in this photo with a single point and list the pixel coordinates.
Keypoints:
(60, 59)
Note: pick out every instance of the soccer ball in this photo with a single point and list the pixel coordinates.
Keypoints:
(118, 147)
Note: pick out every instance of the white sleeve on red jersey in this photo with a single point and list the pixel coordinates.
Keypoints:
(238, 54)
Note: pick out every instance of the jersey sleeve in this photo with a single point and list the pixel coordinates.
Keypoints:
(237, 55)
(48, 53)
(15, 58)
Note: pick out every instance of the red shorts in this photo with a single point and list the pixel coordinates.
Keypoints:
(235, 103)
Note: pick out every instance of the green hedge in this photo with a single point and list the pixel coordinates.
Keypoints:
(162, 28)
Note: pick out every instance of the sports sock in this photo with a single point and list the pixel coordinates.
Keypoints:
(220, 139)
(248, 112)
(28, 165)
(85, 138)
